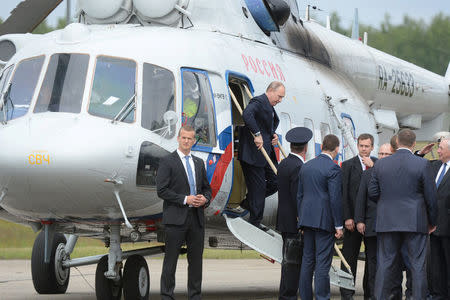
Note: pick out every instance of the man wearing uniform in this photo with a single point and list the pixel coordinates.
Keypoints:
(288, 172)
(261, 121)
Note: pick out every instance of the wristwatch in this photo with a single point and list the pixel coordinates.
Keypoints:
(258, 133)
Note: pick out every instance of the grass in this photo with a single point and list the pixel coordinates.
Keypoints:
(16, 242)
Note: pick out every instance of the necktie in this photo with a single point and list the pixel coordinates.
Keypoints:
(441, 175)
(190, 176)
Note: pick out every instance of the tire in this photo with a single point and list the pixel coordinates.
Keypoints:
(106, 289)
(136, 279)
(48, 279)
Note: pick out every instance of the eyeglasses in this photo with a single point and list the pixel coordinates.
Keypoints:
(384, 153)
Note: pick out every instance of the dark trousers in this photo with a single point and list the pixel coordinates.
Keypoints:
(261, 182)
(290, 273)
(440, 267)
(317, 256)
(389, 259)
(370, 268)
(404, 265)
(193, 234)
(350, 250)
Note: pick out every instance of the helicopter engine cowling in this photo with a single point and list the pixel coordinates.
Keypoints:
(166, 12)
(105, 11)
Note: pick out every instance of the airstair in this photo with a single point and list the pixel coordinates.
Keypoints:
(270, 244)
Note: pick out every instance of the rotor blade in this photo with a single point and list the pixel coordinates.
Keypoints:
(28, 15)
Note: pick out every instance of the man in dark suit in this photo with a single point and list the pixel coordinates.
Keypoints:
(261, 121)
(406, 212)
(352, 170)
(182, 184)
(440, 239)
(365, 215)
(319, 201)
(288, 172)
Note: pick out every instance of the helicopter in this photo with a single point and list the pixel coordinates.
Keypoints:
(88, 111)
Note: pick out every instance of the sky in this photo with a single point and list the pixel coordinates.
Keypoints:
(371, 12)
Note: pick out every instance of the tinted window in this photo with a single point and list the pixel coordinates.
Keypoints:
(148, 163)
(21, 90)
(198, 110)
(113, 87)
(158, 97)
(63, 86)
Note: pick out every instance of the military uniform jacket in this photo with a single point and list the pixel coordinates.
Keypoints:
(288, 172)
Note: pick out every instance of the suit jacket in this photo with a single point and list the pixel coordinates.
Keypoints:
(443, 201)
(406, 193)
(173, 186)
(365, 207)
(351, 178)
(259, 116)
(288, 172)
(319, 196)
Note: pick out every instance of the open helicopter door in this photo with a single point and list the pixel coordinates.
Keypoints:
(267, 243)
(236, 85)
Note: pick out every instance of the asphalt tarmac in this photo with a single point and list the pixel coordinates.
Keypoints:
(222, 279)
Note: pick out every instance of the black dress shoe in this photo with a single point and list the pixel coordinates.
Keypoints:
(244, 204)
(263, 228)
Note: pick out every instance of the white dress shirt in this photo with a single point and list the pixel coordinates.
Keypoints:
(299, 156)
(440, 171)
(363, 166)
(327, 155)
(191, 163)
(405, 149)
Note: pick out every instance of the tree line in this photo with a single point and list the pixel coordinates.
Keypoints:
(424, 44)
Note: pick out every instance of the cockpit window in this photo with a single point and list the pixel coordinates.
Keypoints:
(113, 89)
(198, 107)
(63, 86)
(158, 101)
(18, 94)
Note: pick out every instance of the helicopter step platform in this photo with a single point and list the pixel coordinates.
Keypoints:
(270, 244)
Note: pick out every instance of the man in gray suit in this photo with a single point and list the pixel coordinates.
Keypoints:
(406, 213)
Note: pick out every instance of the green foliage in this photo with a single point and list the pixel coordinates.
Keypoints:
(424, 44)
(16, 242)
(44, 27)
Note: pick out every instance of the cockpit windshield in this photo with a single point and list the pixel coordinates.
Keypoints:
(17, 97)
(113, 89)
(63, 86)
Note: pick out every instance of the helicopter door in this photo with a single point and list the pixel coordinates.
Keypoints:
(238, 85)
(198, 108)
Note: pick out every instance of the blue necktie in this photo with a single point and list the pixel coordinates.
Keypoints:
(190, 176)
(441, 176)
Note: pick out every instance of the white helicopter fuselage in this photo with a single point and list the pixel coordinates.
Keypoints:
(66, 166)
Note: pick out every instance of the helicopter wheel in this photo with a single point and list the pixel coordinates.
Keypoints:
(136, 279)
(52, 277)
(106, 289)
